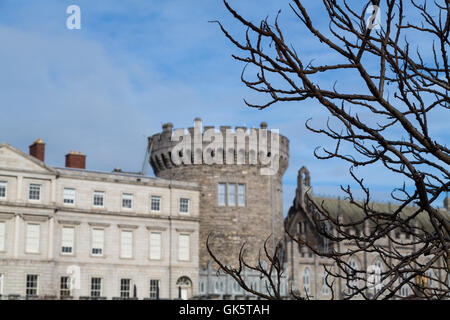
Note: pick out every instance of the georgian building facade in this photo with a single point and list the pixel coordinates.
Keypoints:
(70, 232)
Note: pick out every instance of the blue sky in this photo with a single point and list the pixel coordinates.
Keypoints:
(136, 64)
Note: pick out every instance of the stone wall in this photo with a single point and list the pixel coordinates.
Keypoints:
(229, 227)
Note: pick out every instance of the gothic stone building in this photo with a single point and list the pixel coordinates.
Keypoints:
(307, 274)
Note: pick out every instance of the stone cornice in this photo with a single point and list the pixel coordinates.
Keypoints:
(35, 217)
(99, 224)
(6, 215)
(128, 214)
(70, 222)
(28, 205)
(187, 230)
(127, 226)
(156, 228)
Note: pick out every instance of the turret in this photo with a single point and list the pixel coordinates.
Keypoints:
(239, 171)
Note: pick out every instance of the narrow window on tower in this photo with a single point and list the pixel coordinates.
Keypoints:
(232, 195)
(222, 194)
(241, 195)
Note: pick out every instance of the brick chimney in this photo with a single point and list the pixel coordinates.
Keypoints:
(37, 150)
(75, 160)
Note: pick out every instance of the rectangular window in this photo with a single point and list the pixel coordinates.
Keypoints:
(221, 194)
(69, 196)
(32, 285)
(64, 289)
(231, 194)
(154, 289)
(241, 195)
(126, 244)
(96, 287)
(184, 205)
(155, 245)
(183, 247)
(97, 241)
(3, 186)
(2, 235)
(125, 288)
(35, 192)
(67, 239)
(155, 203)
(302, 227)
(33, 237)
(127, 201)
(99, 197)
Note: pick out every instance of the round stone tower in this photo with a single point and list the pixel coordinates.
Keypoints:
(240, 175)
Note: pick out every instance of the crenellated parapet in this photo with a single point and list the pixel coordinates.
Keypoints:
(208, 145)
(239, 171)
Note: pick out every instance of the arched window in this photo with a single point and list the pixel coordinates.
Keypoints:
(375, 273)
(325, 288)
(304, 179)
(405, 290)
(307, 280)
(184, 285)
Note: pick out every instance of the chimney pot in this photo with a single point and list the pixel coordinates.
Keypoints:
(37, 150)
(75, 160)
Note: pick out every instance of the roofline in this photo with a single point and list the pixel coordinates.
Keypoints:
(29, 157)
(64, 172)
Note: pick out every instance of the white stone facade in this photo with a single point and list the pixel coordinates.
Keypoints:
(126, 232)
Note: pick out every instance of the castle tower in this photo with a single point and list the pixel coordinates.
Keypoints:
(240, 174)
